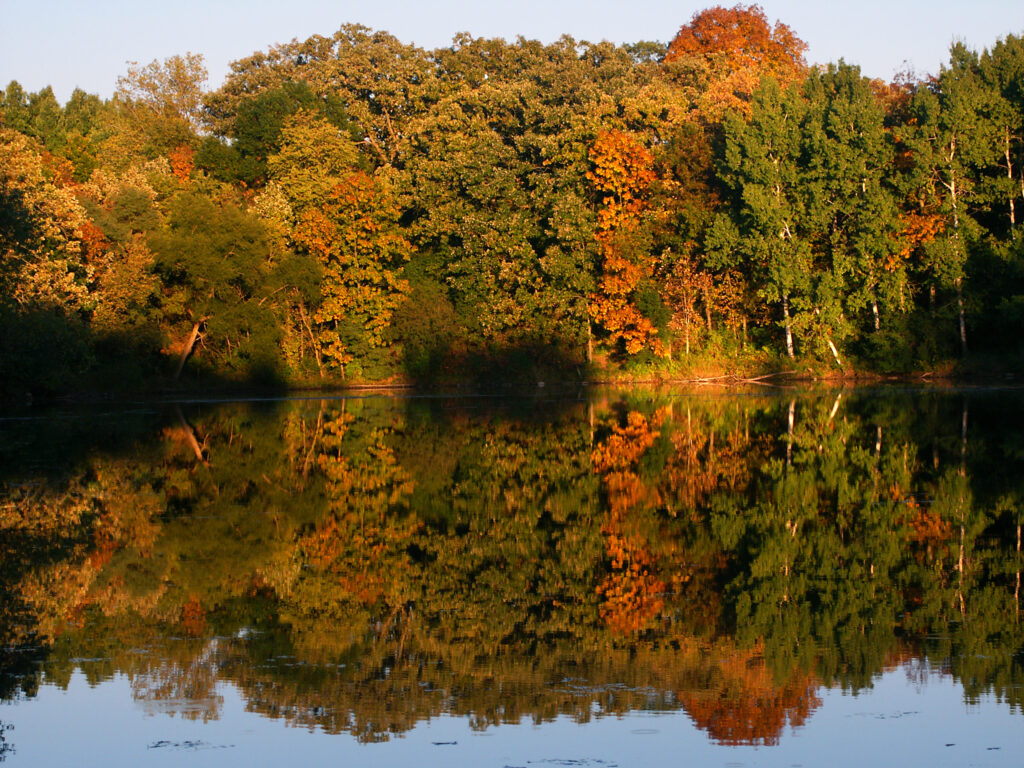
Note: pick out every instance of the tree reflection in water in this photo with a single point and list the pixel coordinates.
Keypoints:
(360, 565)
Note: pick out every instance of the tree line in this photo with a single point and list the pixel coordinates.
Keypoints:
(350, 207)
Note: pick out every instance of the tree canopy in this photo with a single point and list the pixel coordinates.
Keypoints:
(518, 210)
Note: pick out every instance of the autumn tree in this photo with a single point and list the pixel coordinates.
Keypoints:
(156, 110)
(346, 220)
(622, 174)
(172, 88)
(45, 284)
(40, 230)
(723, 53)
(684, 284)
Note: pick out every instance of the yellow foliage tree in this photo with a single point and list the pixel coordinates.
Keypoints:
(40, 242)
(347, 219)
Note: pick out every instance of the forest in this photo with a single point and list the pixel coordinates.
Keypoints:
(351, 209)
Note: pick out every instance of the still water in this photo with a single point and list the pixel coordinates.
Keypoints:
(773, 577)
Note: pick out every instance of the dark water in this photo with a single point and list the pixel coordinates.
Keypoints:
(780, 577)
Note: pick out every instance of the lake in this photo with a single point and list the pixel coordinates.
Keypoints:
(762, 577)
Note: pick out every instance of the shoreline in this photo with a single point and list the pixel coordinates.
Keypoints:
(776, 380)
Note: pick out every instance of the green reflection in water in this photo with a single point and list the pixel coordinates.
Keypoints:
(363, 564)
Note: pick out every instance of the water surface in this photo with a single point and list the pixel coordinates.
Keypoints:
(617, 579)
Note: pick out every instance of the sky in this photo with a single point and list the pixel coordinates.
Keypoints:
(88, 43)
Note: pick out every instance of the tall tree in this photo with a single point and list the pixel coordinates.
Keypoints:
(173, 87)
(156, 110)
(953, 138)
(723, 53)
(849, 157)
(622, 175)
(381, 82)
(768, 231)
(346, 219)
(1002, 70)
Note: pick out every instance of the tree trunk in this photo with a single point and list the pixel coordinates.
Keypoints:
(958, 283)
(960, 312)
(835, 352)
(1009, 174)
(789, 330)
(874, 312)
(189, 345)
(312, 340)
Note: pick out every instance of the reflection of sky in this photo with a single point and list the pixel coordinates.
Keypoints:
(898, 723)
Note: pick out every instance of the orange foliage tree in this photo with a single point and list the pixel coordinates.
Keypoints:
(622, 173)
(686, 284)
(728, 50)
(348, 220)
(182, 160)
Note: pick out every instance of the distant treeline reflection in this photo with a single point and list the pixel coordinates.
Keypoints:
(363, 564)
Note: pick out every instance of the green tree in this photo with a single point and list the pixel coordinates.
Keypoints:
(1002, 70)
(256, 131)
(213, 263)
(497, 189)
(381, 82)
(851, 203)
(954, 139)
(763, 168)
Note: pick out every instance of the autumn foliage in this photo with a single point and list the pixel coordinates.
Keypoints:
(743, 34)
(622, 174)
(745, 705)
(349, 208)
(733, 48)
(632, 593)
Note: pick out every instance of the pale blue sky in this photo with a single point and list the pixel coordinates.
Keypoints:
(86, 43)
